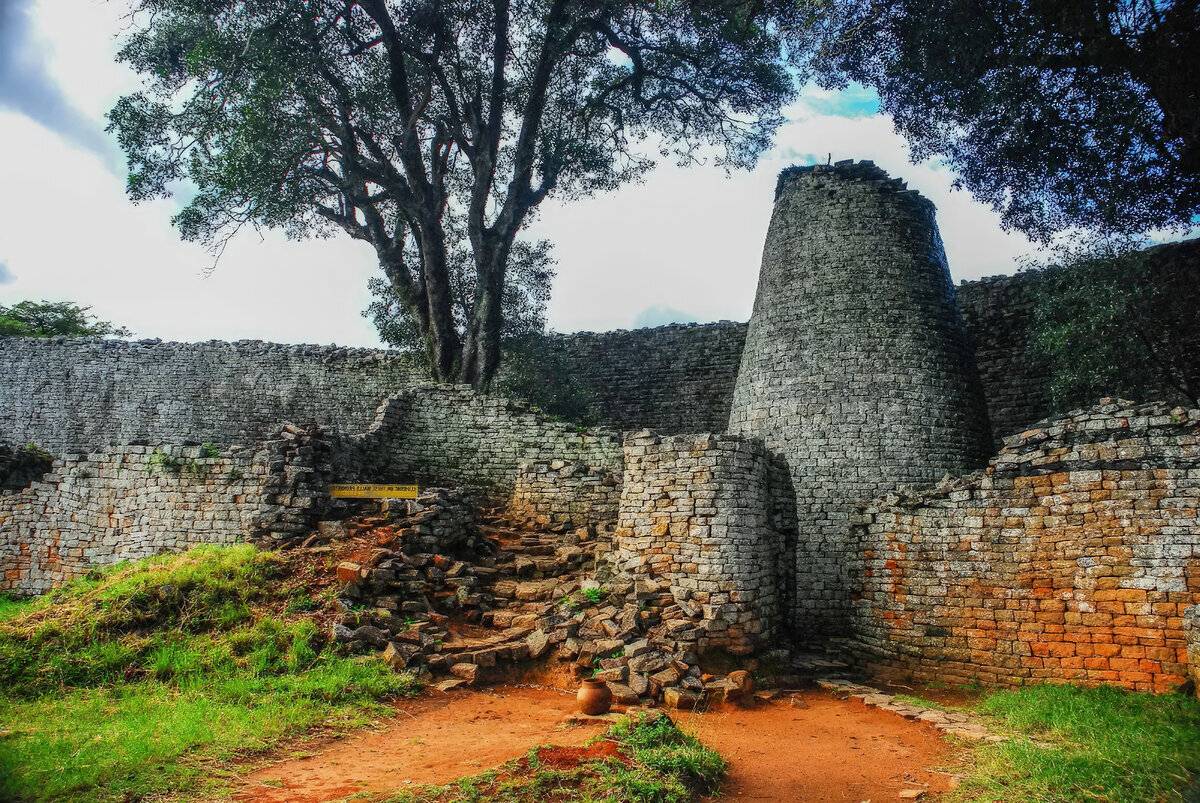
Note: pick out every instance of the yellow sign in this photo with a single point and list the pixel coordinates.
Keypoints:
(373, 491)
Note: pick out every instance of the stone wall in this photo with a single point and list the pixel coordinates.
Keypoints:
(857, 369)
(1071, 559)
(451, 435)
(74, 395)
(1191, 630)
(676, 378)
(998, 314)
(696, 512)
(555, 493)
(70, 395)
(130, 502)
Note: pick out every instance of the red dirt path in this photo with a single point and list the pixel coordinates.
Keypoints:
(822, 749)
(819, 749)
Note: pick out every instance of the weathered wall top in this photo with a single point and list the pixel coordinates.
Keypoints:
(74, 394)
(863, 174)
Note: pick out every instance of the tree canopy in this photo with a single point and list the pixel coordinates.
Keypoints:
(1057, 113)
(414, 124)
(54, 319)
(1117, 321)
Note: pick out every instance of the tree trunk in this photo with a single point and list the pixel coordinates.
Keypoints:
(412, 298)
(440, 334)
(481, 352)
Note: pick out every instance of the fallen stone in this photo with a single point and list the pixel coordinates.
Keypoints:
(667, 677)
(611, 675)
(675, 698)
(399, 655)
(622, 694)
(468, 672)
(635, 648)
(538, 643)
(743, 686)
(371, 635)
(649, 663)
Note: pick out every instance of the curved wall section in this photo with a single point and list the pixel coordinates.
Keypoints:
(857, 368)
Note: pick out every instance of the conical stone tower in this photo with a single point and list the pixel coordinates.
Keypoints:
(857, 370)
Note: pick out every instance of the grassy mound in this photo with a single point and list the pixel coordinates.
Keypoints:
(1070, 743)
(145, 678)
(642, 759)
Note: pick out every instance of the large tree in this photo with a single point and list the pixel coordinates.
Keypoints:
(1058, 113)
(388, 119)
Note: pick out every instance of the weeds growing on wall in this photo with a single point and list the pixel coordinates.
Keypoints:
(142, 679)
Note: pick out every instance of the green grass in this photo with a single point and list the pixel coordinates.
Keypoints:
(149, 678)
(1076, 744)
(666, 765)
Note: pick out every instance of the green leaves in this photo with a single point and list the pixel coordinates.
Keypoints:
(1059, 114)
(54, 319)
(1120, 323)
(431, 130)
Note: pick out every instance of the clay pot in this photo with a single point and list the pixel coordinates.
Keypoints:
(594, 698)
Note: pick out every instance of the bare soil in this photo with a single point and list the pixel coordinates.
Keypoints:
(804, 746)
(812, 746)
(433, 740)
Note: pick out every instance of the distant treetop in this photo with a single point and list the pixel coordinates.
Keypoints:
(54, 319)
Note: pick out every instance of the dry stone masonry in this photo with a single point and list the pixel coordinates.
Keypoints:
(560, 494)
(1191, 630)
(675, 378)
(1073, 557)
(72, 395)
(696, 513)
(451, 435)
(857, 369)
(132, 502)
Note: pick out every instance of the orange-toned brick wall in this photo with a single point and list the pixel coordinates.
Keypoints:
(1072, 558)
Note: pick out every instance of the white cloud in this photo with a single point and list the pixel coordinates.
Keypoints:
(28, 87)
(692, 238)
(686, 239)
(661, 315)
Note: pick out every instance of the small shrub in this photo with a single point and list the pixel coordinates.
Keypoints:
(164, 461)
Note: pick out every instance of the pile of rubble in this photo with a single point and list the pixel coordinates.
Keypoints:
(446, 593)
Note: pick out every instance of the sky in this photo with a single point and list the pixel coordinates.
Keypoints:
(682, 246)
